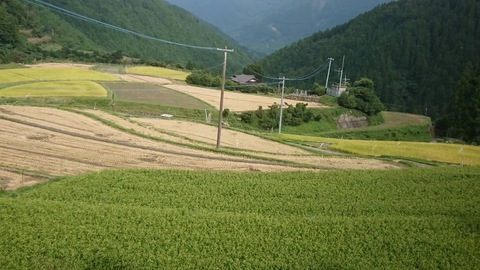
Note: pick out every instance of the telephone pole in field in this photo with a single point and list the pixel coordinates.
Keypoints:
(341, 72)
(281, 106)
(328, 74)
(222, 94)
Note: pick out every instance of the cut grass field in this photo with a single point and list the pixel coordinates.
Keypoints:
(397, 219)
(148, 93)
(55, 89)
(437, 152)
(159, 72)
(10, 76)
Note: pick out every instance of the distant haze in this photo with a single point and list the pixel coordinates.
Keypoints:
(268, 25)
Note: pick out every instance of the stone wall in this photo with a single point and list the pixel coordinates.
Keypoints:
(346, 121)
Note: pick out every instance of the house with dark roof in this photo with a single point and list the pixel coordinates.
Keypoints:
(244, 79)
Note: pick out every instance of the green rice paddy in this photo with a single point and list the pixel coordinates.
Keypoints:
(55, 89)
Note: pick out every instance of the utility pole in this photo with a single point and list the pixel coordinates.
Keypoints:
(341, 72)
(328, 74)
(222, 95)
(281, 106)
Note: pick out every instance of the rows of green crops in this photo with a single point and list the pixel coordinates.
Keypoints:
(396, 219)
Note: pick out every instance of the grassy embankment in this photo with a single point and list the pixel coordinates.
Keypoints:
(391, 126)
(397, 219)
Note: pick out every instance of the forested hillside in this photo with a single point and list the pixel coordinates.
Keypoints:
(153, 18)
(414, 50)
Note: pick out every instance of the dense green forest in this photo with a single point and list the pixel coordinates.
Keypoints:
(462, 118)
(414, 51)
(22, 19)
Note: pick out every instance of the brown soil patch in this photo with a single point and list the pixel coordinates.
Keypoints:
(39, 40)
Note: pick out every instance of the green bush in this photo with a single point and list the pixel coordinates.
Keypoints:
(204, 78)
(362, 97)
(268, 119)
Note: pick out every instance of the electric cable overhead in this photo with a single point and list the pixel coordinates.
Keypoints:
(311, 74)
(307, 76)
(113, 27)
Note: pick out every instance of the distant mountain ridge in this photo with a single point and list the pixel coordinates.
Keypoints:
(268, 25)
(415, 52)
(154, 18)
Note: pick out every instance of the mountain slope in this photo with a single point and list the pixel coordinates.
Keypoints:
(154, 18)
(413, 50)
(265, 26)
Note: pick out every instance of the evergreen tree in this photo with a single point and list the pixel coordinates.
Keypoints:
(464, 110)
(8, 27)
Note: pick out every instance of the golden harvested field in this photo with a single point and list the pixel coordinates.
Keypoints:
(60, 65)
(141, 79)
(235, 102)
(439, 152)
(230, 138)
(55, 89)
(159, 72)
(37, 144)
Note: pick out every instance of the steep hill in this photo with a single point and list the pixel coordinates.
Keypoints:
(414, 50)
(152, 18)
(266, 26)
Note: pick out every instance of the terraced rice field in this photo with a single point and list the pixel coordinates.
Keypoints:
(436, 152)
(159, 72)
(48, 142)
(53, 74)
(55, 89)
(235, 102)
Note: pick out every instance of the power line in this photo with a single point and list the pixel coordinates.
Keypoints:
(113, 27)
(307, 76)
(311, 74)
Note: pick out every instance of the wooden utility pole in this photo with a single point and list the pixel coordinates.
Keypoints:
(341, 73)
(328, 74)
(281, 106)
(222, 94)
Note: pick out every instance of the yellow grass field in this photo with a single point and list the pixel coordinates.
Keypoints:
(159, 72)
(55, 89)
(449, 153)
(52, 74)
